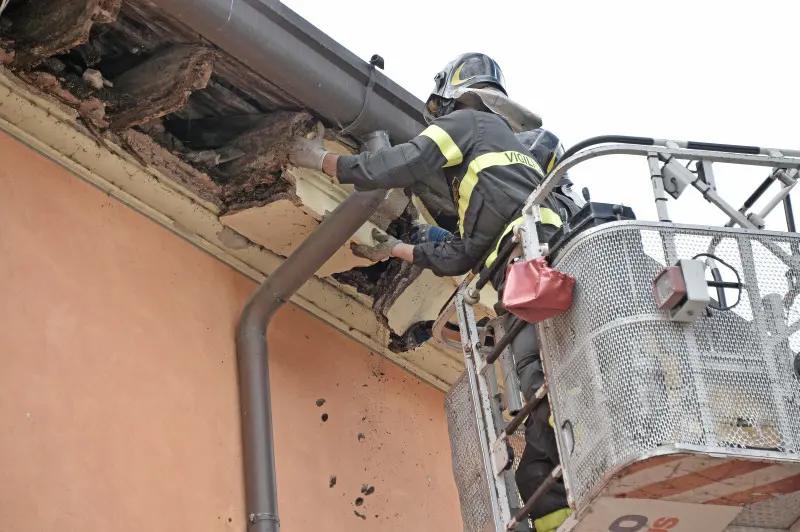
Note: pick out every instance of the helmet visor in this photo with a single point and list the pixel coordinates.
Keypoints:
(476, 69)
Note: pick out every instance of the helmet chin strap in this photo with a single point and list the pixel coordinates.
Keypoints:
(444, 106)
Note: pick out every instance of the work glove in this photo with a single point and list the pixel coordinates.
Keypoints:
(379, 252)
(307, 153)
(423, 233)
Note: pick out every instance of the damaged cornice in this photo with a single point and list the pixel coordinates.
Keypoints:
(55, 131)
(147, 88)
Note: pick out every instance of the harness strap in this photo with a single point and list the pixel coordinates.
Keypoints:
(549, 217)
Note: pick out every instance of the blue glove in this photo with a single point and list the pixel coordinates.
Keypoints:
(429, 233)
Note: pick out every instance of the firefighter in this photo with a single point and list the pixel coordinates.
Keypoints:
(471, 142)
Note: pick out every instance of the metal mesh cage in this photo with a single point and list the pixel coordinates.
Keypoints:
(625, 379)
(468, 470)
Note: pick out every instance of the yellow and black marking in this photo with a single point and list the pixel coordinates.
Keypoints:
(481, 163)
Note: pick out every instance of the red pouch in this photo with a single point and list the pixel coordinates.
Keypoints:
(535, 292)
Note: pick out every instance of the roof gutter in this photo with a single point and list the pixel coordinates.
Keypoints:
(287, 50)
(284, 48)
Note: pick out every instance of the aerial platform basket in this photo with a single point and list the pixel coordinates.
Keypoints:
(663, 422)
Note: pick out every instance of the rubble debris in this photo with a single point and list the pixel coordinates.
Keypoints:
(362, 516)
(155, 129)
(229, 153)
(399, 276)
(109, 10)
(363, 279)
(208, 158)
(320, 402)
(265, 147)
(50, 84)
(53, 66)
(94, 78)
(238, 196)
(161, 84)
(332, 481)
(77, 85)
(324, 418)
(94, 111)
(160, 158)
(40, 31)
(359, 501)
(246, 159)
(414, 337)
(378, 279)
(93, 131)
(42, 80)
(6, 57)
(88, 54)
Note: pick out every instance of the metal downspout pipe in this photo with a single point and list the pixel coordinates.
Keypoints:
(279, 45)
(261, 491)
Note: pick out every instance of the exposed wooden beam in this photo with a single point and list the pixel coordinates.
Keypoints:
(161, 29)
(213, 132)
(43, 28)
(160, 85)
(265, 147)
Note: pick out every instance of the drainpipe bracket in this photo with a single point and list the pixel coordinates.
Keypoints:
(257, 518)
(355, 123)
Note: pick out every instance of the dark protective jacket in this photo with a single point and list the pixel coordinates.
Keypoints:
(490, 174)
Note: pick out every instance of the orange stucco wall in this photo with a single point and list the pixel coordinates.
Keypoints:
(118, 400)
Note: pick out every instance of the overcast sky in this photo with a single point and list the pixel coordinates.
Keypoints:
(707, 70)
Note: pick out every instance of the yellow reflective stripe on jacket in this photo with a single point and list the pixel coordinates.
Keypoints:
(551, 164)
(446, 145)
(490, 260)
(481, 163)
(548, 217)
(551, 521)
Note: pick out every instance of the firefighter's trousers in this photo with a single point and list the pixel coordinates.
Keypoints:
(540, 456)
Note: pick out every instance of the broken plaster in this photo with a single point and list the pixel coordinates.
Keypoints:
(53, 131)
